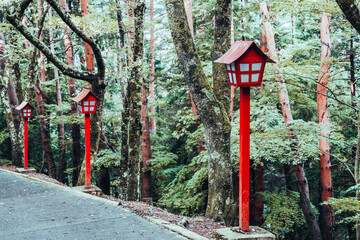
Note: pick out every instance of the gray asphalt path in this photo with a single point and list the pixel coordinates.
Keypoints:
(35, 210)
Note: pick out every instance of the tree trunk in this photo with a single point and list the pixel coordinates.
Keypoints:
(351, 12)
(146, 148)
(125, 94)
(222, 43)
(135, 104)
(62, 159)
(313, 227)
(45, 135)
(259, 189)
(357, 172)
(188, 10)
(213, 115)
(324, 122)
(152, 72)
(75, 127)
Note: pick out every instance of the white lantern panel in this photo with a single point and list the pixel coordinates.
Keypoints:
(234, 78)
(244, 78)
(28, 114)
(228, 67)
(86, 109)
(256, 66)
(92, 103)
(255, 77)
(233, 67)
(91, 109)
(86, 103)
(244, 67)
(230, 77)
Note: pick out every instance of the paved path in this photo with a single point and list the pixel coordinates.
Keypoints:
(35, 210)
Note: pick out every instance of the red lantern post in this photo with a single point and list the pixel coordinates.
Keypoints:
(88, 102)
(26, 112)
(245, 64)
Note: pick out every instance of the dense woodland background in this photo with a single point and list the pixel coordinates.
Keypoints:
(167, 124)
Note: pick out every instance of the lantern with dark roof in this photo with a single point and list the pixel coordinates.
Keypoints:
(25, 109)
(87, 101)
(245, 64)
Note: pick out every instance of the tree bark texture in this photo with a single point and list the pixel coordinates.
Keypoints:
(124, 136)
(351, 12)
(146, 147)
(312, 224)
(89, 54)
(189, 16)
(135, 104)
(326, 220)
(152, 71)
(357, 172)
(222, 43)
(213, 115)
(259, 189)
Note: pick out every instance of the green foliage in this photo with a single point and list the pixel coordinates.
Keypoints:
(187, 193)
(282, 213)
(346, 210)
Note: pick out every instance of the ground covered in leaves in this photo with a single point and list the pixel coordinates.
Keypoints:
(203, 226)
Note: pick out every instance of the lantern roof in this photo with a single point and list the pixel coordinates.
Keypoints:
(239, 49)
(23, 105)
(83, 94)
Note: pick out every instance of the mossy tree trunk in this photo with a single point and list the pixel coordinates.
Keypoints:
(213, 115)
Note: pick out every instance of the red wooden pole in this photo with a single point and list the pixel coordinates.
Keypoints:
(25, 143)
(87, 152)
(244, 161)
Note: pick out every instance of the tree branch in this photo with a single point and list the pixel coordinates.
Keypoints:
(14, 18)
(351, 12)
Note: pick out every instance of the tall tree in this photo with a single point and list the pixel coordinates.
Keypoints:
(135, 104)
(323, 112)
(75, 127)
(213, 115)
(313, 226)
(152, 70)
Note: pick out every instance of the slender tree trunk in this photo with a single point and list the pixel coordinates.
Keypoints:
(146, 148)
(152, 72)
(42, 57)
(188, 10)
(259, 189)
(62, 159)
(313, 227)
(125, 93)
(89, 54)
(45, 135)
(135, 104)
(75, 127)
(357, 172)
(324, 122)
(210, 110)
(352, 73)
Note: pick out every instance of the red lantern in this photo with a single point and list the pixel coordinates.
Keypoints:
(26, 112)
(25, 109)
(88, 102)
(245, 64)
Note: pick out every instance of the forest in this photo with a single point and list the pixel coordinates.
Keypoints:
(166, 127)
